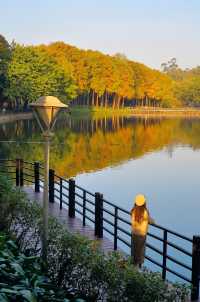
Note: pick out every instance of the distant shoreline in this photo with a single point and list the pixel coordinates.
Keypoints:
(12, 117)
(85, 112)
(165, 112)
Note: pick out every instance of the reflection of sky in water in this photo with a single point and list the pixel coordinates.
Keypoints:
(169, 180)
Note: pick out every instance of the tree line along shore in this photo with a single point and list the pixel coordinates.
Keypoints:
(91, 78)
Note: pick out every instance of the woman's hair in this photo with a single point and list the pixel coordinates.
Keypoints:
(138, 212)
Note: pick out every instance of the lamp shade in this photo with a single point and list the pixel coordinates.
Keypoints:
(46, 109)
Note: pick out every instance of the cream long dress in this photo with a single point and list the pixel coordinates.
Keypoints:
(139, 232)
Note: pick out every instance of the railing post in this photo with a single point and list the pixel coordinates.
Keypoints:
(61, 199)
(51, 185)
(21, 174)
(195, 267)
(37, 176)
(164, 255)
(17, 172)
(71, 198)
(84, 206)
(115, 228)
(99, 215)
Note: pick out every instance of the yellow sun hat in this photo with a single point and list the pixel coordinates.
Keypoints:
(140, 200)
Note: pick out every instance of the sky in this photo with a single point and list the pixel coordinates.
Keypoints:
(147, 31)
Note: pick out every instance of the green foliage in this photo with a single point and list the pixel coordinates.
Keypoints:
(21, 277)
(188, 91)
(32, 73)
(77, 265)
(9, 200)
(186, 83)
(91, 78)
(5, 54)
(86, 77)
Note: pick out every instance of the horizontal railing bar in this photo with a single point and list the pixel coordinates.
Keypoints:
(89, 210)
(26, 174)
(78, 203)
(79, 212)
(29, 181)
(179, 248)
(57, 197)
(28, 162)
(154, 249)
(90, 202)
(65, 187)
(89, 218)
(178, 275)
(79, 195)
(124, 220)
(107, 211)
(85, 190)
(172, 232)
(153, 261)
(5, 166)
(108, 231)
(5, 171)
(113, 205)
(109, 222)
(56, 190)
(65, 195)
(124, 241)
(26, 168)
(124, 231)
(179, 262)
(155, 236)
(64, 179)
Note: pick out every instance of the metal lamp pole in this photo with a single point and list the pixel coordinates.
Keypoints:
(46, 110)
(45, 197)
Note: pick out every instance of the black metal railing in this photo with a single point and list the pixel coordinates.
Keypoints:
(106, 217)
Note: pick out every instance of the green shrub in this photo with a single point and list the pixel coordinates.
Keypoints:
(21, 277)
(78, 266)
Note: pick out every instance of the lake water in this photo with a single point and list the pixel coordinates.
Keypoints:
(121, 157)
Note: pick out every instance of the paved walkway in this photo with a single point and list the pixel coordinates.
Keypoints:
(73, 225)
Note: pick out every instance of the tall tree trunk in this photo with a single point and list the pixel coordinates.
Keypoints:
(97, 100)
(106, 100)
(93, 97)
(88, 98)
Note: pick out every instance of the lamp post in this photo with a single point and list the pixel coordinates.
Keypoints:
(46, 111)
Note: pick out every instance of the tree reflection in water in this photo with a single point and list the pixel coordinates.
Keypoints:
(83, 145)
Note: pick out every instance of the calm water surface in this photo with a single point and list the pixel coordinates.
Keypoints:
(121, 157)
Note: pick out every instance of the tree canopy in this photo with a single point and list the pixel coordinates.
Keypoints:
(186, 82)
(87, 77)
(5, 53)
(32, 73)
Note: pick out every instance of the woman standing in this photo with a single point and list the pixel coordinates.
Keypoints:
(140, 220)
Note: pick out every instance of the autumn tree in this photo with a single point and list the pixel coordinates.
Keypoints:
(32, 73)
